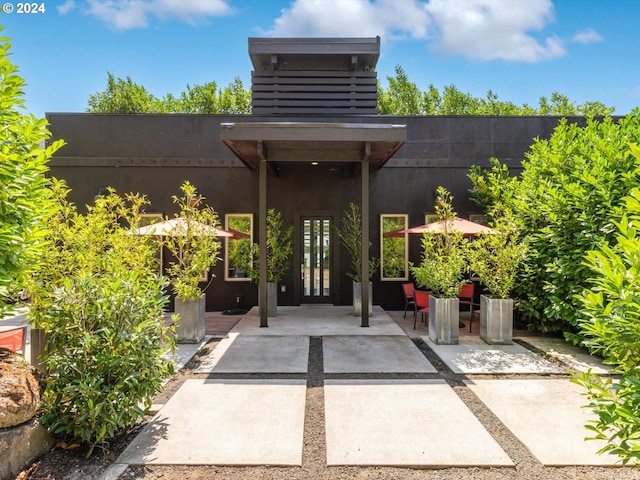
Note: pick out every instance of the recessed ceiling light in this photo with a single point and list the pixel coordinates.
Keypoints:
(314, 163)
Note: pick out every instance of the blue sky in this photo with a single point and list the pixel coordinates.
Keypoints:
(519, 49)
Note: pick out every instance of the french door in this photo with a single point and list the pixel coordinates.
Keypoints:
(316, 261)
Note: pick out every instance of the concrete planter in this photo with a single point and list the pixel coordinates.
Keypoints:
(190, 328)
(496, 320)
(39, 339)
(272, 299)
(444, 320)
(357, 299)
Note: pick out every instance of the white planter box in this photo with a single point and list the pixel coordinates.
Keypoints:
(496, 320)
(357, 299)
(190, 328)
(444, 320)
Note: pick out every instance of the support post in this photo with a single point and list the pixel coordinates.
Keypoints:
(262, 239)
(365, 242)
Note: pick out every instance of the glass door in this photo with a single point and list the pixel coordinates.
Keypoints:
(315, 267)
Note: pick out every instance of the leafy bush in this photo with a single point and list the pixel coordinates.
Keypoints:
(25, 202)
(194, 247)
(350, 233)
(495, 259)
(279, 249)
(444, 255)
(99, 297)
(612, 329)
(562, 204)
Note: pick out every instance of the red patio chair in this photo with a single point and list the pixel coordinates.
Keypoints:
(422, 304)
(14, 339)
(408, 289)
(466, 298)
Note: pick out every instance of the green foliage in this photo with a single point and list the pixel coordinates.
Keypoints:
(25, 202)
(350, 233)
(193, 245)
(403, 97)
(611, 328)
(564, 205)
(126, 96)
(279, 249)
(98, 295)
(495, 259)
(400, 97)
(239, 249)
(393, 249)
(444, 261)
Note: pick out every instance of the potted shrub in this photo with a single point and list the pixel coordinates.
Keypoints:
(442, 272)
(495, 260)
(279, 250)
(194, 245)
(350, 233)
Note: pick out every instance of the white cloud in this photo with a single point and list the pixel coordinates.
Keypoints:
(477, 29)
(352, 18)
(129, 14)
(66, 7)
(587, 36)
(494, 29)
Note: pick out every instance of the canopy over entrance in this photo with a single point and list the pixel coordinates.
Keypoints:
(261, 144)
(313, 142)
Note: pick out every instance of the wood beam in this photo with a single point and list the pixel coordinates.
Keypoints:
(262, 239)
(365, 242)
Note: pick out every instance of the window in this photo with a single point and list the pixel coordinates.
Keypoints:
(394, 251)
(237, 258)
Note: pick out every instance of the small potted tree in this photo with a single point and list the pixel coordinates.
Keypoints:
(495, 259)
(279, 250)
(442, 272)
(194, 246)
(350, 234)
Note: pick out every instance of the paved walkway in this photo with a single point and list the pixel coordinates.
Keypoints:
(385, 401)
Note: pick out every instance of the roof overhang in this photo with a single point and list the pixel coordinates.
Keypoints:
(313, 142)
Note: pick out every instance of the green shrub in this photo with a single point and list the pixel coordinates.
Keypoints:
(100, 298)
(279, 249)
(611, 328)
(495, 259)
(563, 205)
(444, 255)
(25, 202)
(193, 247)
(350, 233)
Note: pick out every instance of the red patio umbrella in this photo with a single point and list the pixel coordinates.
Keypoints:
(178, 226)
(467, 227)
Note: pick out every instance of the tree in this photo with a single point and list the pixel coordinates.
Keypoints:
(122, 96)
(126, 96)
(25, 201)
(404, 97)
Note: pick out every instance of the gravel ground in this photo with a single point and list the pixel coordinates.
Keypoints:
(70, 465)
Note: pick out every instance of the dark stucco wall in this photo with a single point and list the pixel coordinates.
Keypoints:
(154, 154)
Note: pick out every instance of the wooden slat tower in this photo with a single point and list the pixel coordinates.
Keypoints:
(318, 76)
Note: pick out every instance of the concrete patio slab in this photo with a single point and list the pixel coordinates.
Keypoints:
(578, 359)
(472, 355)
(546, 416)
(250, 354)
(317, 321)
(408, 423)
(373, 354)
(230, 422)
(184, 352)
